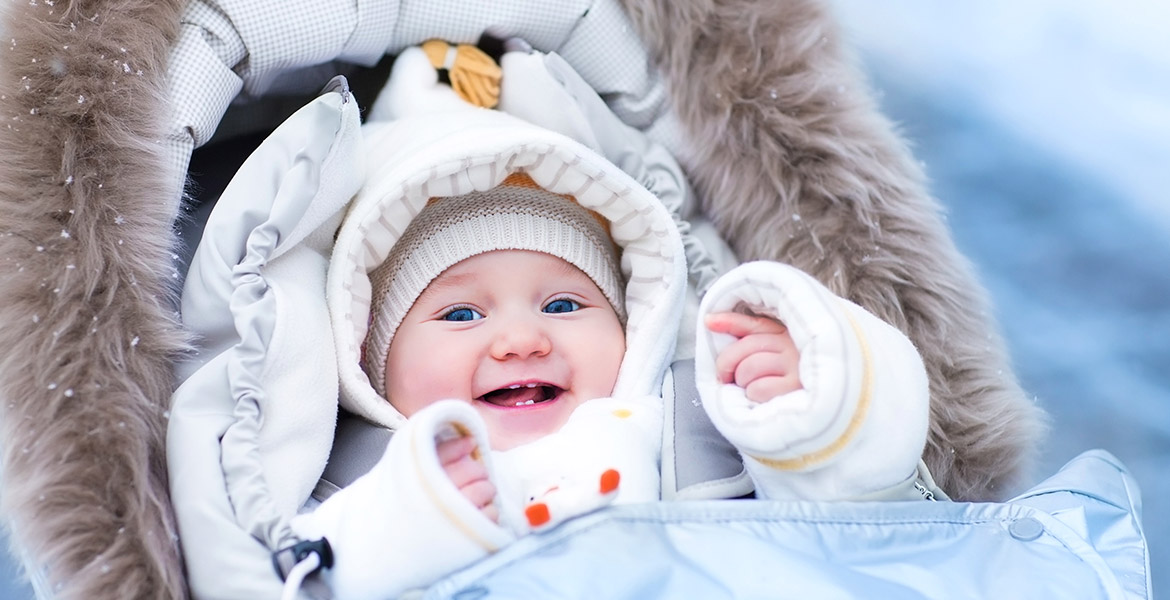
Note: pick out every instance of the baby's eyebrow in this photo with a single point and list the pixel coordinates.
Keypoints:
(565, 267)
(448, 282)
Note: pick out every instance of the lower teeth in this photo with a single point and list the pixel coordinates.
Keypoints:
(526, 403)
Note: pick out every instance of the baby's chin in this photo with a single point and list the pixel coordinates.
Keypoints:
(512, 426)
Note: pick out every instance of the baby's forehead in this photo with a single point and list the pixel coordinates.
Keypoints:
(470, 269)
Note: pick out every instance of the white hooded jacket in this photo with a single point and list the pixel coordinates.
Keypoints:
(822, 442)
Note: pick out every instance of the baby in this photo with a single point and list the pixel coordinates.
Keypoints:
(521, 314)
(499, 321)
(508, 319)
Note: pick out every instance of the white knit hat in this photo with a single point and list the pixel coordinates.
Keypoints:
(516, 215)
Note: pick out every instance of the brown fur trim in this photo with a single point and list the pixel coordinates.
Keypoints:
(87, 329)
(797, 165)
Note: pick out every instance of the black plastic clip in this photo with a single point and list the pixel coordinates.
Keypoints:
(286, 558)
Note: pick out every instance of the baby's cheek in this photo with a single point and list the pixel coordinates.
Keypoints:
(410, 394)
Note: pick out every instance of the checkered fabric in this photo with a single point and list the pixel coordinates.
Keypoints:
(229, 48)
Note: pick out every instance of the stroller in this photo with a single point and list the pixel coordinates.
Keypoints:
(790, 162)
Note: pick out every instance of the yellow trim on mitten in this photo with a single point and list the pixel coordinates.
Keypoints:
(474, 76)
(443, 504)
(801, 463)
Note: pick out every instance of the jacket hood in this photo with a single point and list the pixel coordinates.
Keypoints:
(414, 159)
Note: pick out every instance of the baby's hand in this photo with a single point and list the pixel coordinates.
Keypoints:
(468, 474)
(762, 360)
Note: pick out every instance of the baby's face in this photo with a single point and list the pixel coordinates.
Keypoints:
(525, 337)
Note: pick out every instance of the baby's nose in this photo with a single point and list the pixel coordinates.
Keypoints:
(520, 340)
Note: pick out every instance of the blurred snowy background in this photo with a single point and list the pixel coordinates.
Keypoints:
(1045, 129)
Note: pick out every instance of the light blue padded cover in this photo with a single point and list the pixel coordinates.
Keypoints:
(1076, 535)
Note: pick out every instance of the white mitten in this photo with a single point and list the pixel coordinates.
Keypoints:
(404, 524)
(606, 452)
(859, 424)
(530, 91)
(414, 89)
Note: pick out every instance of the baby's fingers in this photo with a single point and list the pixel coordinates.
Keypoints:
(765, 388)
(468, 474)
(741, 325)
(777, 346)
(759, 365)
(454, 449)
(456, 458)
(481, 494)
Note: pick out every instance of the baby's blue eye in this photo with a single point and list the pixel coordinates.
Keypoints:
(462, 314)
(561, 305)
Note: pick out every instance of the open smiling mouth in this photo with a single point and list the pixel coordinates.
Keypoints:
(522, 395)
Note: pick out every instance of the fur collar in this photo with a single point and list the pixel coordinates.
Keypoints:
(86, 302)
